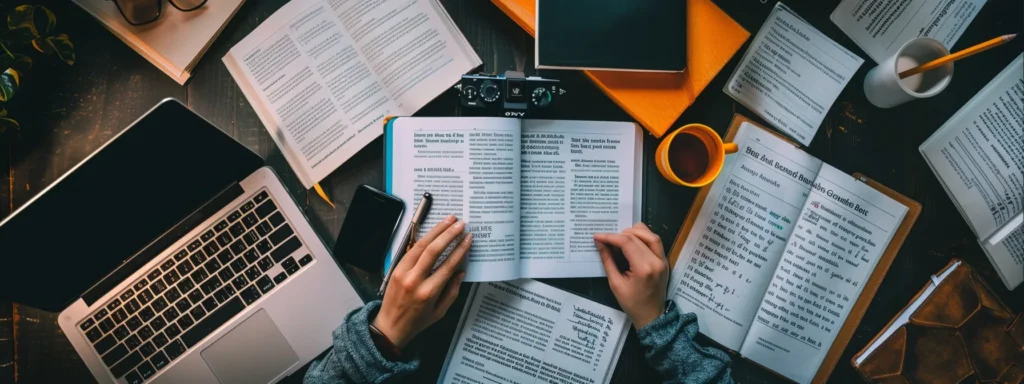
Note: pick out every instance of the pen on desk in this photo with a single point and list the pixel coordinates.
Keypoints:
(410, 237)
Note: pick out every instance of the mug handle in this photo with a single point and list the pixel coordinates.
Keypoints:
(730, 148)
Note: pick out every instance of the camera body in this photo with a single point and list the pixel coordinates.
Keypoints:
(509, 95)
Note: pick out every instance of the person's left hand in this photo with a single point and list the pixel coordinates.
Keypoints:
(416, 298)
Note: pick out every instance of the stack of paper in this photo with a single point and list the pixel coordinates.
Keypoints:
(174, 42)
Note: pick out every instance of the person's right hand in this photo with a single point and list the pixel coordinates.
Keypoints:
(640, 289)
(416, 298)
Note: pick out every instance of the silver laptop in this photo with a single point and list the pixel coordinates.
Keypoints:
(174, 255)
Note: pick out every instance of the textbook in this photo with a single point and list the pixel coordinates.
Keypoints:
(532, 192)
(525, 331)
(978, 157)
(781, 255)
(322, 75)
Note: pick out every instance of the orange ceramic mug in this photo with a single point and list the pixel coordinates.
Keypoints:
(692, 156)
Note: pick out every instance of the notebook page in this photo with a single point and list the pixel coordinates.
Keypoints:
(738, 237)
(843, 229)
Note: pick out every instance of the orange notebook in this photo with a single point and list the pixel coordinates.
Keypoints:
(656, 100)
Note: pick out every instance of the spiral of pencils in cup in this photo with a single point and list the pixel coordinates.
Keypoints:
(409, 238)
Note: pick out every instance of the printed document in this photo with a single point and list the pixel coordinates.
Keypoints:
(791, 74)
(525, 331)
(881, 27)
(322, 75)
(978, 156)
(779, 253)
(532, 192)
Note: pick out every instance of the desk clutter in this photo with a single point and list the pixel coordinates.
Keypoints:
(780, 254)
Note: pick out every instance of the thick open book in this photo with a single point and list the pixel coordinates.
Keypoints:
(322, 75)
(524, 331)
(532, 192)
(780, 256)
(978, 157)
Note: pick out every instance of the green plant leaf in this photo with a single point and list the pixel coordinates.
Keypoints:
(9, 81)
(7, 124)
(59, 44)
(3, 112)
(35, 18)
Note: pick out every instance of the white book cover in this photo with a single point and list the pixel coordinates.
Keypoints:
(174, 42)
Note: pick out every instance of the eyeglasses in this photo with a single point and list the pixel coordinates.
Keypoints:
(140, 12)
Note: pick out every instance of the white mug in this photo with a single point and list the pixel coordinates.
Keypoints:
(883, 86)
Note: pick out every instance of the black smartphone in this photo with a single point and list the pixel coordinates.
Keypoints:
(370, 223)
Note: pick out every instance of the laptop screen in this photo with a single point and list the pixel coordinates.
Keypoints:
(116, 202)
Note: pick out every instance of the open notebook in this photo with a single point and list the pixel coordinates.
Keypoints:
(781, 255)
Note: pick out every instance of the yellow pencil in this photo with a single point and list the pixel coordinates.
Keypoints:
(957, 56)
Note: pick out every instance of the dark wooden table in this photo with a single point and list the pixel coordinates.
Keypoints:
(67, 113)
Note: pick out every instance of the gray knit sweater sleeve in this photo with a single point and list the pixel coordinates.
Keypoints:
(354, 358)
(670, 349)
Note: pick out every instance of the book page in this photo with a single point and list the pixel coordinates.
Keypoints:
(842, 231)
(308, 72)
(791, 74)
(737, 238)
(471, 167)
(525, 331)
(881, 28)
(578, 178)
(978, 156)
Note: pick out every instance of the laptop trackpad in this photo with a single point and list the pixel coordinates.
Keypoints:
(254, 352)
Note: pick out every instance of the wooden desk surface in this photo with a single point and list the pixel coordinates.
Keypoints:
(70, 112)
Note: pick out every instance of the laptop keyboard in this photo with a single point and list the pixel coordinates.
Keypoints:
(195, 290)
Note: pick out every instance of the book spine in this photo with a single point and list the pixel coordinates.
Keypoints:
(7, 363)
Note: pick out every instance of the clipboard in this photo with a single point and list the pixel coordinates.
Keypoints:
(870, 285)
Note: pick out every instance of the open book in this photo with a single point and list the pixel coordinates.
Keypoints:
(322, 75)
(780, 256)
(978, 156)
(524, 331)
(532, 192)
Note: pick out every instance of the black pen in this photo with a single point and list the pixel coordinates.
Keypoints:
(410, 237)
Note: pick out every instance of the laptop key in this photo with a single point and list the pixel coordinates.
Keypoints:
(265, 264)
(225, 256)
(154, 274)
(253, 273)
(264, 247)
(94, 334)
(194, 245)
(250, 294)
(238, 247)
(160, 304)
(185, 321)
(171, 277)
(172, 295)
(209, 304)
(222, 225)
(100, 315)
(147, 314)
(212, 321)
(158, 287)
(113, 305)
(145, 297)
(183, 305)
(225, 274)
(210, 285)
(147, 349)
(185, 284)
(184, 267)
(121, 332)
(265, 284)
(126, 365)
(119, 316)
(251, 256)
(132, 306)
(250, 220)
(133, 378)
(264, 228)
(234, 216)
(88, 323)
(127, 294)
(170, 315)
(132, 342)
(107, 325)
(289, 264)
(172, 331)
(260, 197)
(145, 369)
(197, 258)
(159, 360)
(167, 265)
(141, 284)
(248, 206)
(224, 294)
(174, 349)
(199, 275)
(158, 324)
(305, 260)
(237, 230)
(160, 340)
(133, 323)
(212, 266)
(286, 249)
(250, 238)
(105, 344)
(238, 265)
(225, 238)
(115, 355)
(211, 249)
(280, 278)
(198, 312)
(276, 219)
(281, 234)
(265, 209)
(182, 254)
(195, 296)
(145, 333)
(208, 235)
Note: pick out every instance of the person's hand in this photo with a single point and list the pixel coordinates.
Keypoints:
(416, 298)
(641, 288)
